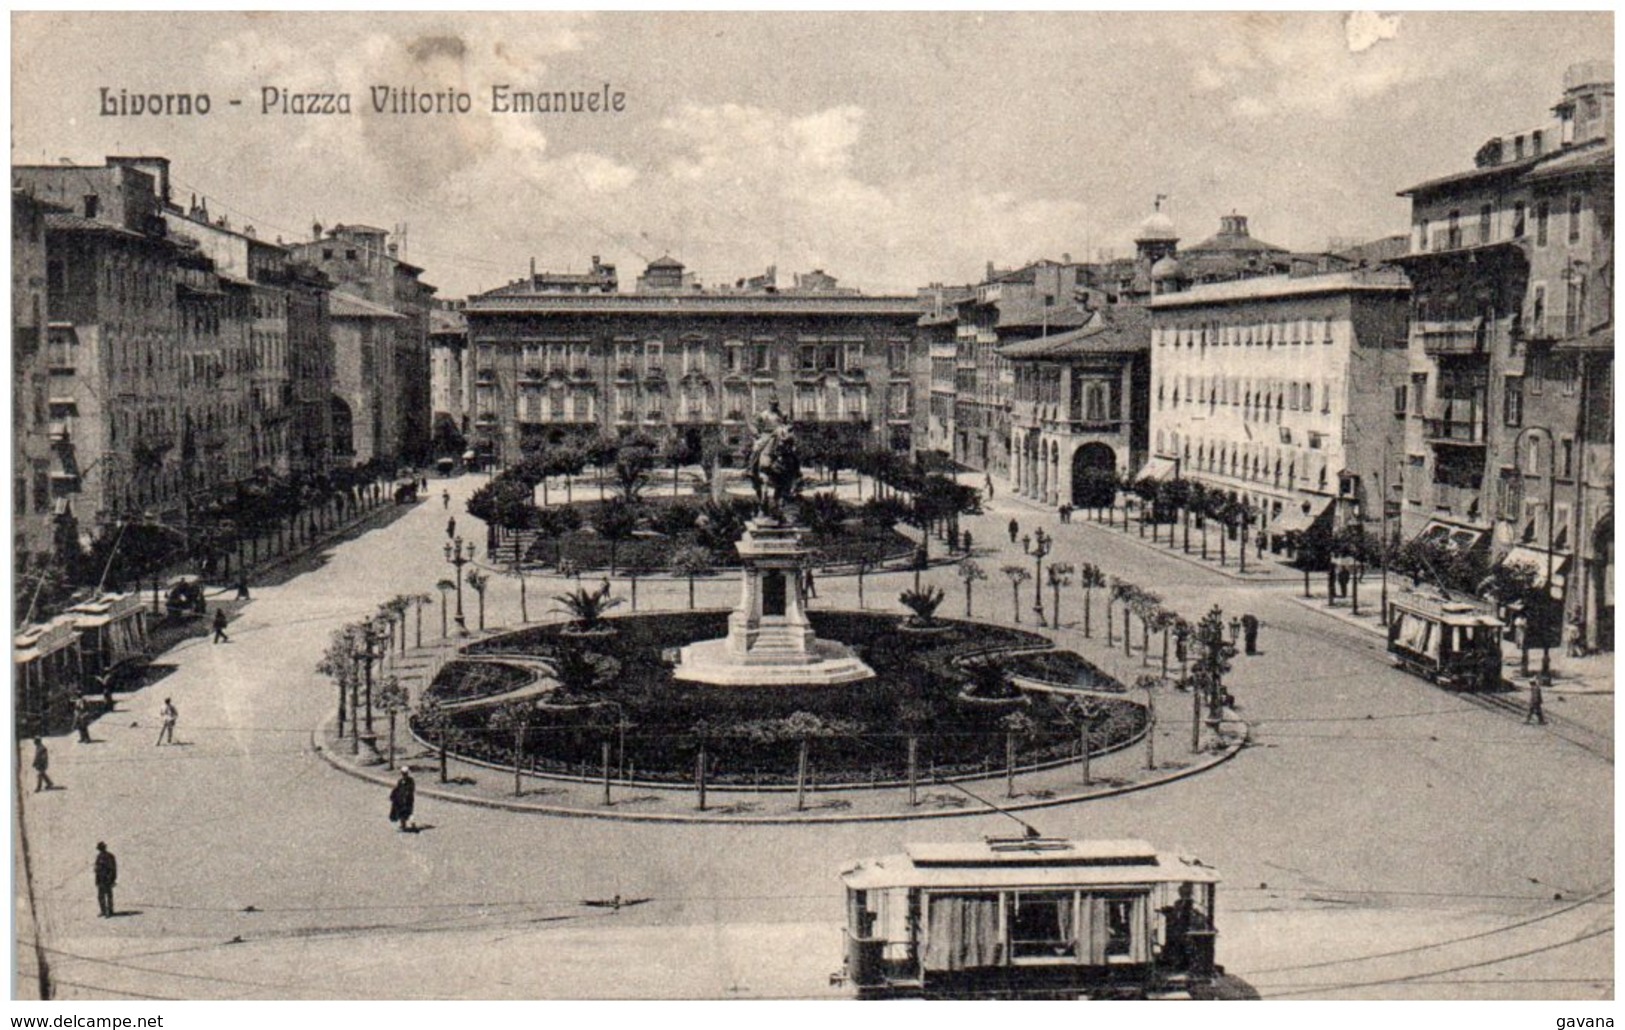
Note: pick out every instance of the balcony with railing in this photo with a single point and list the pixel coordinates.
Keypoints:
(1461, 336)
(1456, 421)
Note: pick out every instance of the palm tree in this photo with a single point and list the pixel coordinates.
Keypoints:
(435, 720)
(1059, 575)
(445, 587)
(477, 582)
(418, 601)
(514, 717)
(587, 607)
(1084, 712)
(1089, 577)
(923, 603)
(690, 561)
(1017, 725)
(970, 572)
(1017, 575)
(1148, 684)
(914, 714)
(394, 699)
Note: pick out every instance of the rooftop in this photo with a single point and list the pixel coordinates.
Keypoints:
(1273, 287)
(345, 305)
(696, 303)
(1118, 330)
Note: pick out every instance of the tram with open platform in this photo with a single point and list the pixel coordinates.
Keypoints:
(1030, 917)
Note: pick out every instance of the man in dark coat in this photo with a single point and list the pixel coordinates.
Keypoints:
(1015, 530)
(42, 762)
(81, 718)
(401, 800)
(1249, 632)
(220, 626)
(106, 877)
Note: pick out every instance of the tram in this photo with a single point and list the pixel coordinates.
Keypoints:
(1030, 917)
(46, 676)
(1455, 644)
(112, 637)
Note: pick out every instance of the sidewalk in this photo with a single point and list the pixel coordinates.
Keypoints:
(1259, 570)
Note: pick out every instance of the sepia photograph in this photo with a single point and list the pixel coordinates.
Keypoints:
(811, 507)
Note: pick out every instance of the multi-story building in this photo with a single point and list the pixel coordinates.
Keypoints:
(547, 365)
(450, 378)
(37, 468)
(120, 375)
(1281, 390)
(310, 370)
(392, 422)
(1079, 405)
(1510, 434)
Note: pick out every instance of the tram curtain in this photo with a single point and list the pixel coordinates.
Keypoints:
(1093, 931)
(964, 933)
(1415, 634)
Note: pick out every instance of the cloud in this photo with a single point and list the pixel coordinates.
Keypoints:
(1268, 65)
(1365, 29)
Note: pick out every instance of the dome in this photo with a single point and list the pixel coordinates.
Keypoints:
(1166, 269)
(1157, 227)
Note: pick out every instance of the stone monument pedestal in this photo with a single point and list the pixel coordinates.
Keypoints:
(770, 642)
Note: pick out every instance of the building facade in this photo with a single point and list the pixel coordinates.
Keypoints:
(450, 377)
(1079, 406)
(549, 365)
(1511, 346)
(364, 266)
(1281, 390)
(36, 469)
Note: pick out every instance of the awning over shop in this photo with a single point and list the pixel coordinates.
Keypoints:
(1156, 468)
(1462, 537)
(1295, 518)
(1536, 558)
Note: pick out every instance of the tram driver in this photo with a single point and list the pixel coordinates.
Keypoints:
(1181, 919)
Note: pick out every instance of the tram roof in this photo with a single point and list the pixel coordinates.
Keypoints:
(1026, 862)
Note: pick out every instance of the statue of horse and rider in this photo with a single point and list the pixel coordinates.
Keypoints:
(774, 466)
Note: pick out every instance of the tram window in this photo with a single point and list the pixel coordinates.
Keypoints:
(1043, 926)
(1119, 925)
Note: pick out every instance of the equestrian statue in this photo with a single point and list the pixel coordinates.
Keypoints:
(774, 466)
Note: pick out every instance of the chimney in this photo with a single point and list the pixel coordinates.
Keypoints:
(533, 267)
(393, 249)
(1587, 108)
(989, 276)
(316, 230)
(1066, 258)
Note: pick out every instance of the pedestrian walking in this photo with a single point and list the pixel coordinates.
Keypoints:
(964, 541)
(809, 588)
(1015, 530)
(451, 527)
(106, 876)
(401, 800)
(105, 682)
(242, 587)
(220, 627)
(445, 498)
(81, 718)
(1537, 703)
(1343, 576)
(167, 716)
(1249, 630)
(987, 485)
(1066, 513)
(42, 762)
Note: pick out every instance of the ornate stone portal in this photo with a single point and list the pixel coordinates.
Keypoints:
(769, 641)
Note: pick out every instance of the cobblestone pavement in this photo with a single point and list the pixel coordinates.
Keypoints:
(1380, 838)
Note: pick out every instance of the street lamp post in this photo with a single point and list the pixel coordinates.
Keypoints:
(1551, 534)
(1038, 545)
(458, 554)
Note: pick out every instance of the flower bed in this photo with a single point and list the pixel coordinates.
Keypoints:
(1062, 669)
(745, 730)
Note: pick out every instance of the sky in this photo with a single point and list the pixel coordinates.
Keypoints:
(892, 150)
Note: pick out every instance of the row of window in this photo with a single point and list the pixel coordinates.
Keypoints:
(1455, 234)
(1277, 466)
(1253, 334)
(1255, 398)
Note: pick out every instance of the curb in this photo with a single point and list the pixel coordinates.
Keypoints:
(649, 817)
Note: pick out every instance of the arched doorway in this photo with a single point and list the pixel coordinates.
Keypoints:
(1094, 471)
